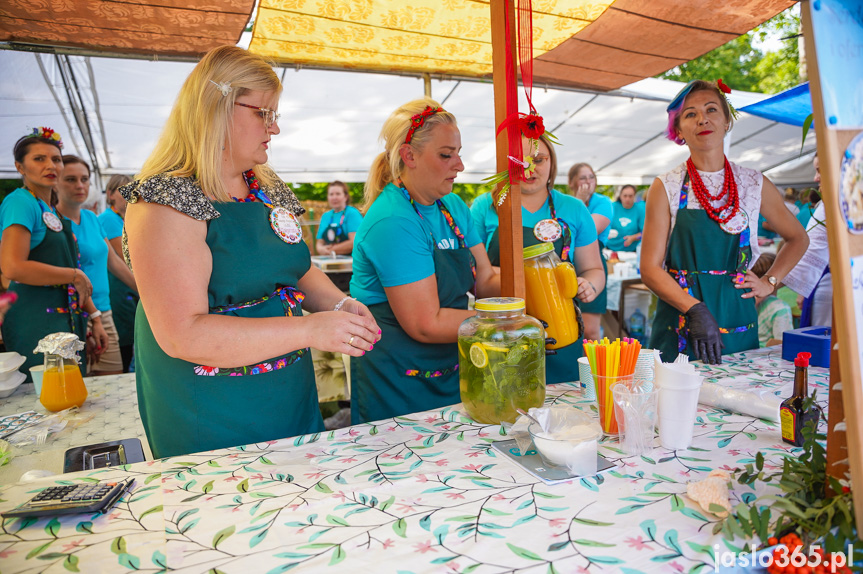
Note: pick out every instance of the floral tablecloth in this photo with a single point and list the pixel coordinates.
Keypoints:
(421, 493)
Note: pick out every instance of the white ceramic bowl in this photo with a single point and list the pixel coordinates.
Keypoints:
(9, 363)
(8, 386)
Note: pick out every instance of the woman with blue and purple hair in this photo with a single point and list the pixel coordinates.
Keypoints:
(699, 236)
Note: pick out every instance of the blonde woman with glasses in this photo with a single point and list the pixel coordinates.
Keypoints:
(224, 274)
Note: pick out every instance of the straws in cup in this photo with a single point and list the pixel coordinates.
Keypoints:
(611, 363)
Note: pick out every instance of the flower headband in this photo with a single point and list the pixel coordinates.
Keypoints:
(676, 104)
(418, 120)
(45, 134)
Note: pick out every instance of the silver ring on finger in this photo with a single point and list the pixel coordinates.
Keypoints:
(351, 340)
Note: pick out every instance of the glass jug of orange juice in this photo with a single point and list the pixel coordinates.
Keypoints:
(550, 286)
(62, 383)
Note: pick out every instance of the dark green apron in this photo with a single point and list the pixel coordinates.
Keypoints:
(705, 261)
(40, 311)
(189, 408)
(562, 367)
(600, 304)
(124, 302)
(401, 375)
(338, 230)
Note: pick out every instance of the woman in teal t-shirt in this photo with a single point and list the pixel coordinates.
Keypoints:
(338, 225)
(39, 254)
(582, 184)
(97, 258)
(627, 222)
(417, 255)
(574, 239)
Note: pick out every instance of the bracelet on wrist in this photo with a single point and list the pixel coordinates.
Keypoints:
(95, 314)
(339, 305)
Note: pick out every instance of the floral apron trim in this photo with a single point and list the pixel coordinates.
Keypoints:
(431, 374)
(290, 298)
(682, 276)
(260, 368)
(73, 308)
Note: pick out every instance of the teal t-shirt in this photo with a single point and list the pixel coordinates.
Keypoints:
(94, 256)
(348, 220)
(625, 222)
(22, 208)
(570, 210)
(394, 246)
(111, 223)
(601, 205)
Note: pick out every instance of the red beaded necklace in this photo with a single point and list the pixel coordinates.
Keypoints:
(705, 198)
(254, 187)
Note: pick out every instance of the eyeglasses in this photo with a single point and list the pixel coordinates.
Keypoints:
(269, 116)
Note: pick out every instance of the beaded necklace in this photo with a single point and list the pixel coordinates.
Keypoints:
(254, 187)
(729, 209)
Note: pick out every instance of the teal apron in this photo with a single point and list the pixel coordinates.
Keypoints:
(563, 366)
(401, 375)
(124, 302)
(335, 232)
(188, 408)
(42, 310)
(706, 262)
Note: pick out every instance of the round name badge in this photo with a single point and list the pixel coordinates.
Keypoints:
(52, 221)
(331, 235)
(548, 230)
(286, 225)
(737, 224)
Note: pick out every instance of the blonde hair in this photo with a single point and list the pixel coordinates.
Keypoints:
(199, 126)
(388, 165)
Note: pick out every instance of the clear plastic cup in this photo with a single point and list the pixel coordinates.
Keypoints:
(645, 370)
(605, 401)
(635, 409)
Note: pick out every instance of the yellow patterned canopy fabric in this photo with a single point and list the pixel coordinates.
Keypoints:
(435, 36)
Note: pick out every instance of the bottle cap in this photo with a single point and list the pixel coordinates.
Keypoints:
(802, 360)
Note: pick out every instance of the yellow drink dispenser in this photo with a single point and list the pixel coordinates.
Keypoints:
(550, 286)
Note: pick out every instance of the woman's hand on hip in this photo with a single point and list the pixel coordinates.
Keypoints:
(351, 333)
(759, 286)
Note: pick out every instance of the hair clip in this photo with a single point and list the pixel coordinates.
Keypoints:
(725, 91)
(224, 87)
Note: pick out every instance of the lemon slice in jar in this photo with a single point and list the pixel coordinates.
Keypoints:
(478, 356)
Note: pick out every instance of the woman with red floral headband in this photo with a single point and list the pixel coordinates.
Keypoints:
(416, 255)
(39, 254)
(699, 236)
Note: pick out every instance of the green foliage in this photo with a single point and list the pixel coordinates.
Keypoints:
(743, 66)
(803, 505)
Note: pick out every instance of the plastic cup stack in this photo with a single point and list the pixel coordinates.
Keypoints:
(644, 369)
(635, 409)
(586, 379)
(678, 385)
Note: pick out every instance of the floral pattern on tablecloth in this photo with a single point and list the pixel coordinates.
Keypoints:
(421, 493)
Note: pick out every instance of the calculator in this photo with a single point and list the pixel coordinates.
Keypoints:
(73, 499)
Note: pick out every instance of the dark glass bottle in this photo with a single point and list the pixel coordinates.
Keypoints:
(792, 417)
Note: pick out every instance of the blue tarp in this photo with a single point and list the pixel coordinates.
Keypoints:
(789, 107)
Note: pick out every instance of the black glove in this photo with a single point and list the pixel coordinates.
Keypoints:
(704, 334)
(548, 340)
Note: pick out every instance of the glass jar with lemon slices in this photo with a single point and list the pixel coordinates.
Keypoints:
(501, 361)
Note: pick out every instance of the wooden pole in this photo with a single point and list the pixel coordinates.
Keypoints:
(509, 230)
(843, 245)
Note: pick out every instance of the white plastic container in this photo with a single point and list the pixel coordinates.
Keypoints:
(9, 363)
(575, 448)
(9, 384)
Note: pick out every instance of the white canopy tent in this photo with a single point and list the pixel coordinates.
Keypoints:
(111, 111)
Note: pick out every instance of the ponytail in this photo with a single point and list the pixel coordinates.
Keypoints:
(380, 174)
